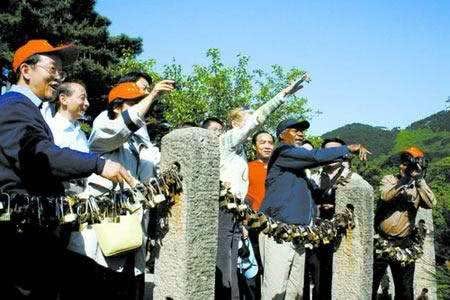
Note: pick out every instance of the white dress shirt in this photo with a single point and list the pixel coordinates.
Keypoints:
(233, 161)
(68, 133)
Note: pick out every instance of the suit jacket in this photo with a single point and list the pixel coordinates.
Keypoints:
(30, 162)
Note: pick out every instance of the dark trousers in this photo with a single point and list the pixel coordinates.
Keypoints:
(403, 278)
(88, 280)
(35, 264)
(248, 288)
(318, 273)
(254, 240)
(32, 262)
(229, 234)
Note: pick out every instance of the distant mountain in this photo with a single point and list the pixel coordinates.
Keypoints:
(438, 122)
(378, 139)
(432, 134)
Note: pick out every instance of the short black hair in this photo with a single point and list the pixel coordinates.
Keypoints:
(134, 76)
(66, 88)
(332, 140)
(116, 103)
(111, 106)
(255, 136)
(210, 120)
(32, 60)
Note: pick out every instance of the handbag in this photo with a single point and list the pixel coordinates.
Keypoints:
(118, 234)
(118, 237)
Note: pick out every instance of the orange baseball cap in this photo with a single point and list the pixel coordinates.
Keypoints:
(38, 47)
(414, 152)
(125, 91)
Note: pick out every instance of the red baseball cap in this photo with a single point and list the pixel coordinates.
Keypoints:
(125, 91)
(38, 47)
(414, 152)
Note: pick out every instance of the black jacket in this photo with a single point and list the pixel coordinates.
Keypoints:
(29, 160)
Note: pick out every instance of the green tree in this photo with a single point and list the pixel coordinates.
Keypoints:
(215, 88)
(61, 21)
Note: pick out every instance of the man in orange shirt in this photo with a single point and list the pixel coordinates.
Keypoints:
(263, 144)
(257, 169)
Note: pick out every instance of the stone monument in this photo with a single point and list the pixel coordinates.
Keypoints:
(426, 265)
(185, 268)
(353, 260)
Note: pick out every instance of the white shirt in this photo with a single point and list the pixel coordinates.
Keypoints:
(68, 133)
(133, 150)
(27, 93)
(48, 110)
(233, 161)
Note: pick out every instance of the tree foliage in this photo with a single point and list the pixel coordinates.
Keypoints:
(213, 89)
(432, 136)
(375, 138)
(67, 21)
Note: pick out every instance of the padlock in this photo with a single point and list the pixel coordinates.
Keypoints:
(241, 207)
(5, 217)
(159, 198)
(309, 246)
(138, 196)
(295, 233)
(70, 217)
(303, 232)
(231, 206)
(177, 198)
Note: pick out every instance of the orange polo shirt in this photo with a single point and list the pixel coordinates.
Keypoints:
(257, 173)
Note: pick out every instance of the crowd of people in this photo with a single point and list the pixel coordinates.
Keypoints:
(44, 155)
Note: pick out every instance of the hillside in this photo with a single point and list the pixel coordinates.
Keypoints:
(437, 122)
(377, 139)
(431, 134)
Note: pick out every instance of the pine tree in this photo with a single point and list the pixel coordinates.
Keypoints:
(62, 21)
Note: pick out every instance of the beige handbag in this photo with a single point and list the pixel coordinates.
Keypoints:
(119, 233)
(118, 237)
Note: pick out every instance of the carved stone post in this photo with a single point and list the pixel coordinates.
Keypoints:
(426, 265)
(185, 268)
(353, 261)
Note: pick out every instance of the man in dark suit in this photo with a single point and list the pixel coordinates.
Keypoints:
(288, 199)
(32, 169)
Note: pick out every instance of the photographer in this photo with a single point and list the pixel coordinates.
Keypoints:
(401, 197)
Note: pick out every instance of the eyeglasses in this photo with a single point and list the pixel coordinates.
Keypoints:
(55, 72)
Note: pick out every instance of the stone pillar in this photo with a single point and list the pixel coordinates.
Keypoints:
(185, 268)
(426, 265)
(353, 261)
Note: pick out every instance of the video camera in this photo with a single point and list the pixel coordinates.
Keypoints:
(414, 164)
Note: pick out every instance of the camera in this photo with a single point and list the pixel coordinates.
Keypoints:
(414, 164)
(177, 86)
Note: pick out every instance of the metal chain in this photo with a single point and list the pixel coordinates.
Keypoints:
(322, 232)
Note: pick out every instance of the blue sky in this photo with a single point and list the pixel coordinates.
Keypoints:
(384, 63)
